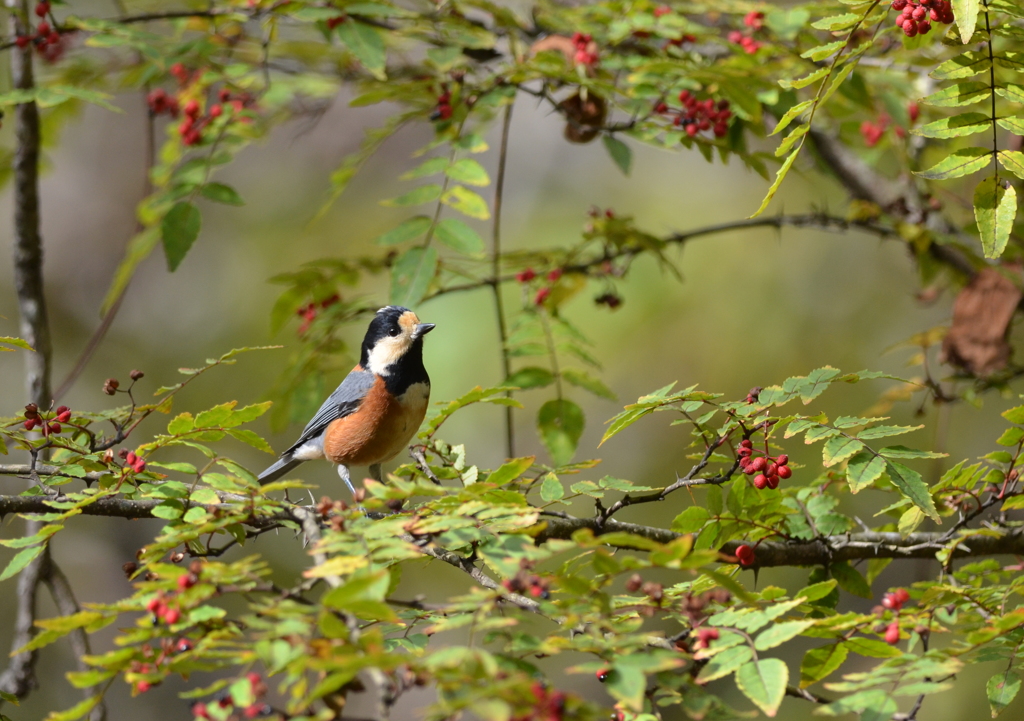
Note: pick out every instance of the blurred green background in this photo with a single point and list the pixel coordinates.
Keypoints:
(754, 307)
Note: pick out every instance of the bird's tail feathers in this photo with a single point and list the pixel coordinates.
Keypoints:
(281, 466)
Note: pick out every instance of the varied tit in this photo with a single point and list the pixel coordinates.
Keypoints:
(373, 414)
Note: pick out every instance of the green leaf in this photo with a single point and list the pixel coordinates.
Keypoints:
(179, 230)
(220, 193)
(363, 594)
(886, 431)
(251, 438)
(838, 449)
(955, 126)
(836, 22)
(530, 377)
(468, 171)
(582, 379)
(724, 663)
(433, 166)
(405, 231)
(912, 486)
(904, 452)
(17, 342)
(511, 470)
(1002, 689)
(1012, 160)
(764, 683)
(964, 65)
(459, 237)
(417, 196)
(691, 520)
(959, 163)
(872, 647)
(77, 711)
(820, 662)
(560, 423)
(21, 559)
(780, 175)
(959, 94)
(850, 580)
(620, 152)
(367, 44)
(9, 698)
(466, 202)
(411, 276)
(780, 633)
(551, 489)
(966, 14)
(995, 207)
(817, 591)
(1014, 415)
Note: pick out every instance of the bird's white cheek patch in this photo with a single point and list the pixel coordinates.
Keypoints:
(387, 352)
(310, 450)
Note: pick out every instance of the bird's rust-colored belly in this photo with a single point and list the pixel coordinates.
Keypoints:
(379, 430)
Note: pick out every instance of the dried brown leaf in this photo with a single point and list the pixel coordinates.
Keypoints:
(977, 340)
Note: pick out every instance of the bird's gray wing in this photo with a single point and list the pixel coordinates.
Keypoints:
(345, 400)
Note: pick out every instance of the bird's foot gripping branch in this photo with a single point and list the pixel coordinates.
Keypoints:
(657, 614)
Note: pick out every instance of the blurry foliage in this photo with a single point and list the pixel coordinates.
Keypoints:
(721, 78)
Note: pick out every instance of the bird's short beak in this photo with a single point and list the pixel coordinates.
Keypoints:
(423, 328)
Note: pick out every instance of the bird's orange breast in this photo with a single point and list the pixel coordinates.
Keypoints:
(380, 429)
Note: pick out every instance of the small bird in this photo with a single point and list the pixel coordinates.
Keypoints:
(376, 410)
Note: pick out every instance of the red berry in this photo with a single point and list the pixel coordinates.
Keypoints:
(554, 275)
(224, 95)
(760, 481)
(899, 4)
(131, 458)
(180, 72)
(735, 37)
(772, 469)
(192, 108)
(542, 295)
(143, 686)
(30, 424)
(892, 634)
(747, 443)
(660, 108)
(889, 601)
(216, 111)
(684, 96)
(192, 137)
(54, 428)
(691, 129)
(785, 472)
(140, 466)
(22, 41)
(773, 482)
(172, 616)
(183, 646)
(759, 463)
(526, 276)
(43, 29)
(186, 580)
(53, 38)
(924, 27)
(745, 452)
(910, 28)
(782, 460)
(42, 8)
(154, 605)
(745, 555)
(64, 417)
(602, 675)
(199, 711)
(902, 595)
(662, 10)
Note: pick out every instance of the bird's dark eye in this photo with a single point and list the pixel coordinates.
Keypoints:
(394, 330)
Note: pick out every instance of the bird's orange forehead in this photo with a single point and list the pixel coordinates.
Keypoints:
(408, 322)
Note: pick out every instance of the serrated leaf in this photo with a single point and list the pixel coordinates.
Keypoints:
(850, 579)
(966, 14)
(910, 519)
(823, 51)
(251, 438)
(560, 423)
(724, 663)
(837, 22)
(417, 196)
(551, 489)
(405, 231)
(691, 520)
(958, 164)
(912, 486)
(780, 633)
(838, 448)
(179, 230)
(955, 126)
(1014, 415)
(367, 44)
(959, 94)
(530, 377)
(582, 379)
(21, 559)
(962, 66)
(764, 683)
(459, 237)
(780, 175)
(220, 193)
(1012, 160)
(468, 171)
(623, 421)
(817, 591)
(77, 711)
(466, 202)
(411, 276)
(886, 431)
(431, 166)
(1002, 689)
(995, 208)
(904, 452)
(819, 663)
(619, 152)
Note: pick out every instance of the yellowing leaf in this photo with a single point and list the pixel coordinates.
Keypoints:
(995, 207)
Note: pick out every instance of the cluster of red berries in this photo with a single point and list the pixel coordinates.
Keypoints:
(443, 110)
(161, 605)
(528, 584)
(586, 49)
(699, 115)
(916, 18)
(309, 312)
(892, 602)
(224, 701)
(191, 127)
(548, 705)
(769, 470)
(33, 419)
(132, 460)
(542, 294)
(754, 21)
(872, 132)
(160, 102)
(745, 554)
(47, 39)
(168, 647)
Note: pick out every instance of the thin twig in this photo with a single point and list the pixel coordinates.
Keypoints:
(499, 308)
